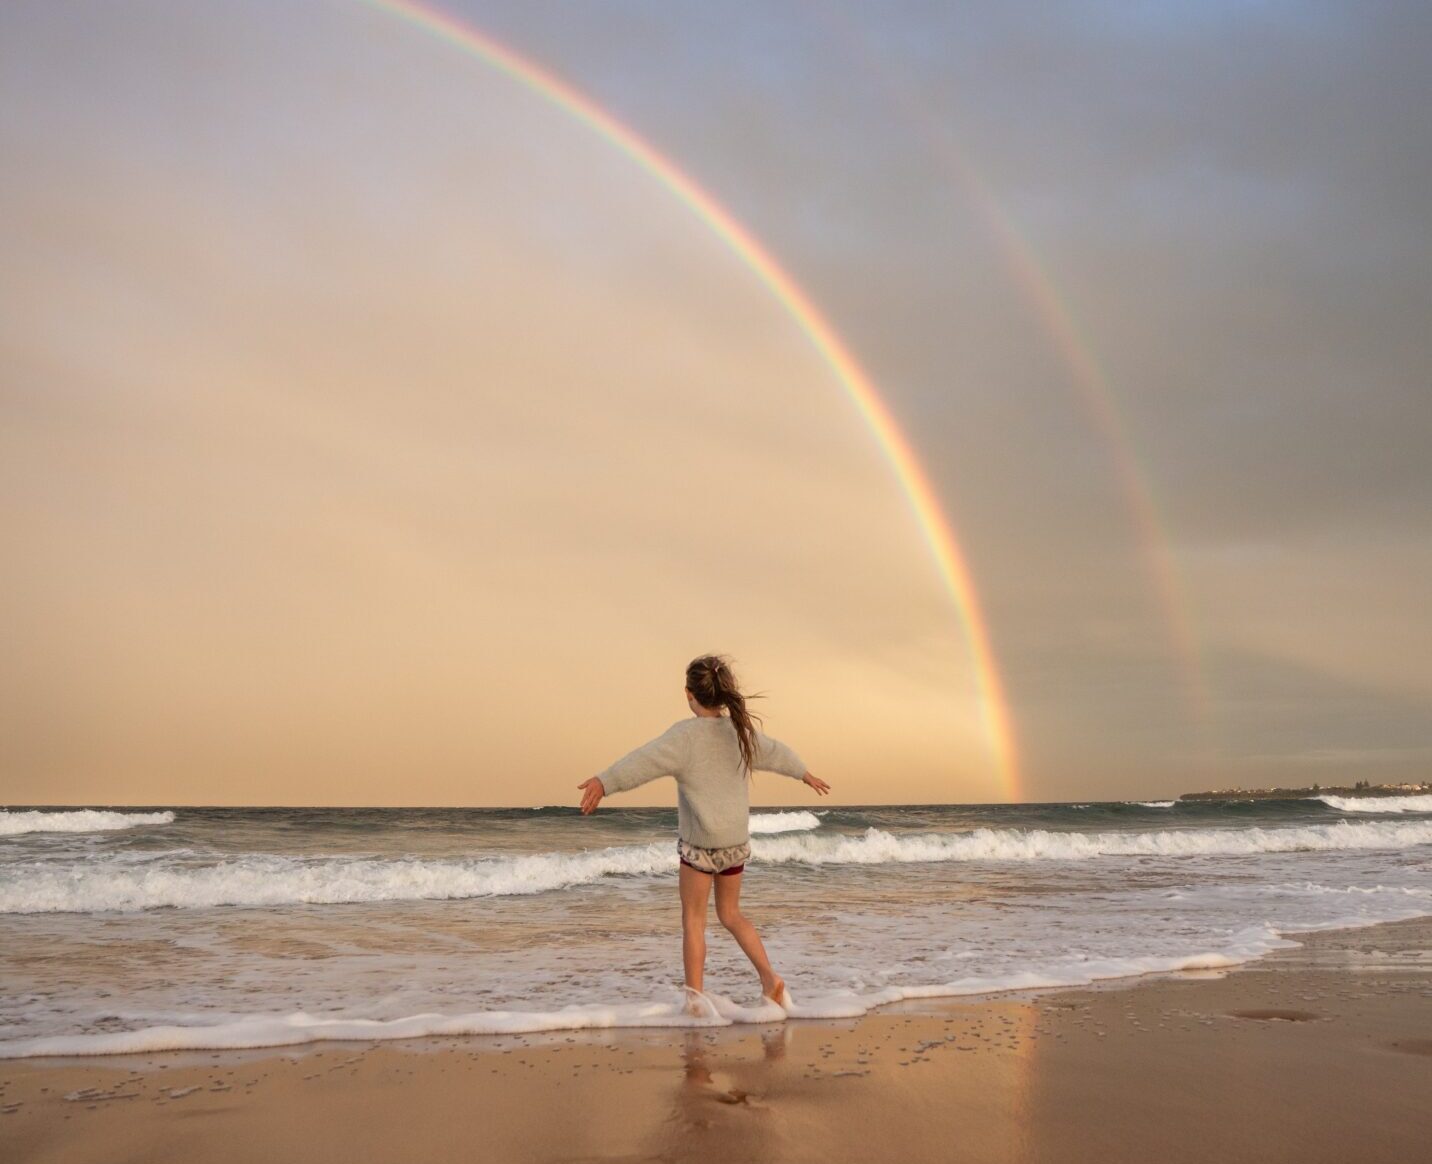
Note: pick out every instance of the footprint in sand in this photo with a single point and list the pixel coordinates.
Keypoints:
(1287, 1016)
(701, 1082)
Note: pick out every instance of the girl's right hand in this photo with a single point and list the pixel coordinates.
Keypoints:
(820, 786)
(593, 791)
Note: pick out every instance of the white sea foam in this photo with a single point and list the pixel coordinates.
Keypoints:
(299, 1027)
(99, 884)
(268, 880)
(1155, 803)
(876, 846)
(1397, 804)
(86, 820)
(783, 822)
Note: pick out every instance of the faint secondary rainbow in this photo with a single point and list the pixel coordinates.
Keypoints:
(1094, 389)
(994, 707)
(1090, 381)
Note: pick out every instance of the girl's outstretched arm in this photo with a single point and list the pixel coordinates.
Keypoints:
(774, 756)
(663, 756)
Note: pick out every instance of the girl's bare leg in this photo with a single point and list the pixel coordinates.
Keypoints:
(728, 912)
(695, 892)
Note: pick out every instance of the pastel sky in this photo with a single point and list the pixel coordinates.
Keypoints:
(372, 431)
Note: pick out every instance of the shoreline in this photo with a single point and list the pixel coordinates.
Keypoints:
(1321, 1051)
(279, 1033)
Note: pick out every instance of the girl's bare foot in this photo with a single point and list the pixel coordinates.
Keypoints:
(775, 990)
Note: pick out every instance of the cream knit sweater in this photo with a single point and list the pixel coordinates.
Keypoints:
(713, 802)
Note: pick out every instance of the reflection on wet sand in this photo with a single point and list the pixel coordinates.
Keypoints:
(790, 1090)
(723, 1099)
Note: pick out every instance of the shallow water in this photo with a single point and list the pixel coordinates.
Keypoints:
(229, 927)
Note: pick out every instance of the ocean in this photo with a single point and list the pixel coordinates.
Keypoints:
(148, 929)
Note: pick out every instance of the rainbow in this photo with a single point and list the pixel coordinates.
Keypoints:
(1091, 383)
(949, 559)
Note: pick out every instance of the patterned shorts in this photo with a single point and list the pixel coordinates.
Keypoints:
(726, 862)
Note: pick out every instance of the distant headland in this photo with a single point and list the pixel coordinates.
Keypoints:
(1361, 788)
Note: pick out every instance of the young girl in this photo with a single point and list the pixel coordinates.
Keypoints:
(711, 754)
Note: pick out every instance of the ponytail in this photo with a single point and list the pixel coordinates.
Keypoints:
(710, 680)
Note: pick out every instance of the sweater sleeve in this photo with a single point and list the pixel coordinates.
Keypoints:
(663, 756)
(774, 756)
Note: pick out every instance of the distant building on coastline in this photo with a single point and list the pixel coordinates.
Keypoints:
(1360, 788)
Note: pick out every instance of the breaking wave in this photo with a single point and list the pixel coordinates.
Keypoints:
(1396, 804)
(783, 822)
(85, 820)
(267, 880)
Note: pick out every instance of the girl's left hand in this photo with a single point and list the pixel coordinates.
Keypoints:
(592, 796)
(820, 786)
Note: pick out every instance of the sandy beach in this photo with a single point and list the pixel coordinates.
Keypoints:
(1323, 1052)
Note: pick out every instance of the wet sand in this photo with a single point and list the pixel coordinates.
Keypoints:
(1321, 1053)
